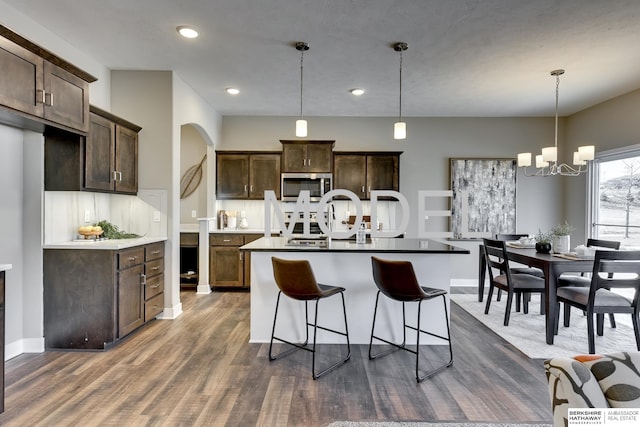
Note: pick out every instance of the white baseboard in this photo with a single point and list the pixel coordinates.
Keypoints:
(463, 282)
(27, 345)
(170, 312)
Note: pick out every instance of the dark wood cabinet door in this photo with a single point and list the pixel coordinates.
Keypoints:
(382, 172)
(130, 300)
(226, 266)
(350, 173)
(319, 157)
(66, 98)
(232, 175)
(264, 174)
(126, 160)
(99, 154)
(21, 79)
(294, 158)
(307, 156)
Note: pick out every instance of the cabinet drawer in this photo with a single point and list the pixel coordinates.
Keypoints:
(189, 239)
(226, 240)
(154, 251)
(153, 268)
(130, 257)
(153, 307)
(153, 287)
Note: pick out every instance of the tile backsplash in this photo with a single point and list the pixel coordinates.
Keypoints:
(64, 212)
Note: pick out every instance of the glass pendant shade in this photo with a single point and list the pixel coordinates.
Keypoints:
(301, 127)
(400, 130)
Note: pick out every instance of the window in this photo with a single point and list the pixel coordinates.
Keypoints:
(614, 196)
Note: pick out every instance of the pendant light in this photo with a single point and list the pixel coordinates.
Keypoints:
(301, 123)
(547, 162)
(400, 127)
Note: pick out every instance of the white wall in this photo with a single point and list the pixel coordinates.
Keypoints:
(21, 182)
(611, 124)
(192, 149)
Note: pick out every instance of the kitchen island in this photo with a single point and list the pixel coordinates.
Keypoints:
(348, 264)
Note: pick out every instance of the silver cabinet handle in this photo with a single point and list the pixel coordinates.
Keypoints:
(363, 188)
(50, 100)
(120, 176)
(245, 187)
(43, 96)
(155, 252)
(143, 279)
(226, 240)
(155, 268)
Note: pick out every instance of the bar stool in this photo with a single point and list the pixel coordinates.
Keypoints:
(296, 280)
(397, 280)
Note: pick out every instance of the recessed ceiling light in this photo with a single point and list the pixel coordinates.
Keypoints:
(357, 91)
(187, 32)
(232, 91)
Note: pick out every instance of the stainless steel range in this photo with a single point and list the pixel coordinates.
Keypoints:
(298, 227)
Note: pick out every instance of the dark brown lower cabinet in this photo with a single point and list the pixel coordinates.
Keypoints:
(228, 266)
(93, 297)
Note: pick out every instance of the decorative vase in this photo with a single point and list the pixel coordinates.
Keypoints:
(561, 244)
(543, 247)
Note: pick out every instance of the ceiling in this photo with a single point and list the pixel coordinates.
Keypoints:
(465, 57)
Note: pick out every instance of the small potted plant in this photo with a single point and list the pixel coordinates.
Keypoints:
(543, 242)
(561, 237)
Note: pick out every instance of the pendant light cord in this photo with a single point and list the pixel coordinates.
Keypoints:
(557, 92)
(301, 79)
(400, 106)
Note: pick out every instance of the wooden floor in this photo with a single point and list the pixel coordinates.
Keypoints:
(200, 370)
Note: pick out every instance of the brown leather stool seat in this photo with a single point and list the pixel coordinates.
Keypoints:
(296, 280)
(397, 281)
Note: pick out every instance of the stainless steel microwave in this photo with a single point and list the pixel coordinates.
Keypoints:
(318, 184)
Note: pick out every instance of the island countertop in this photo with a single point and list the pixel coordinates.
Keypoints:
(380, 245)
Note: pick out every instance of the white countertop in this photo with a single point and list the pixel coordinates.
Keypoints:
(112, 244)
(4, 267)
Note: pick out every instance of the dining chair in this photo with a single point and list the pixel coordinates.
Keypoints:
(521, 270)
(582, 281)
(514, 284)
(611, 270)
(397, 281)
(296, 280)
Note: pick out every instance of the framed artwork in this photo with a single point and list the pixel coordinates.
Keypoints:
(484, 197)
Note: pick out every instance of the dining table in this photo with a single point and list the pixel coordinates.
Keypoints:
(552, 265)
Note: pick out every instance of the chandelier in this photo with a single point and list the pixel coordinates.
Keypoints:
(547, 162)
(301, 123)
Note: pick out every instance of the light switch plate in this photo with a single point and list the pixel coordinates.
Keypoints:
(156, 216)
(194, 214)
(87, 215)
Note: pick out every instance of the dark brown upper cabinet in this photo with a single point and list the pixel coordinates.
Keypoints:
(307, 156)
(106, 160)
(111, 154)
(37, 86)
(362, 172)
(247, 175)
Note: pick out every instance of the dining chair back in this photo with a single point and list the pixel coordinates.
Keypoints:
(580, 280)
(502, 278)
(296, 280)
(397, 280)
(612, 270)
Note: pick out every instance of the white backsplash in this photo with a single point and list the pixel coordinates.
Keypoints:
(254, 211)
(64, 211)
